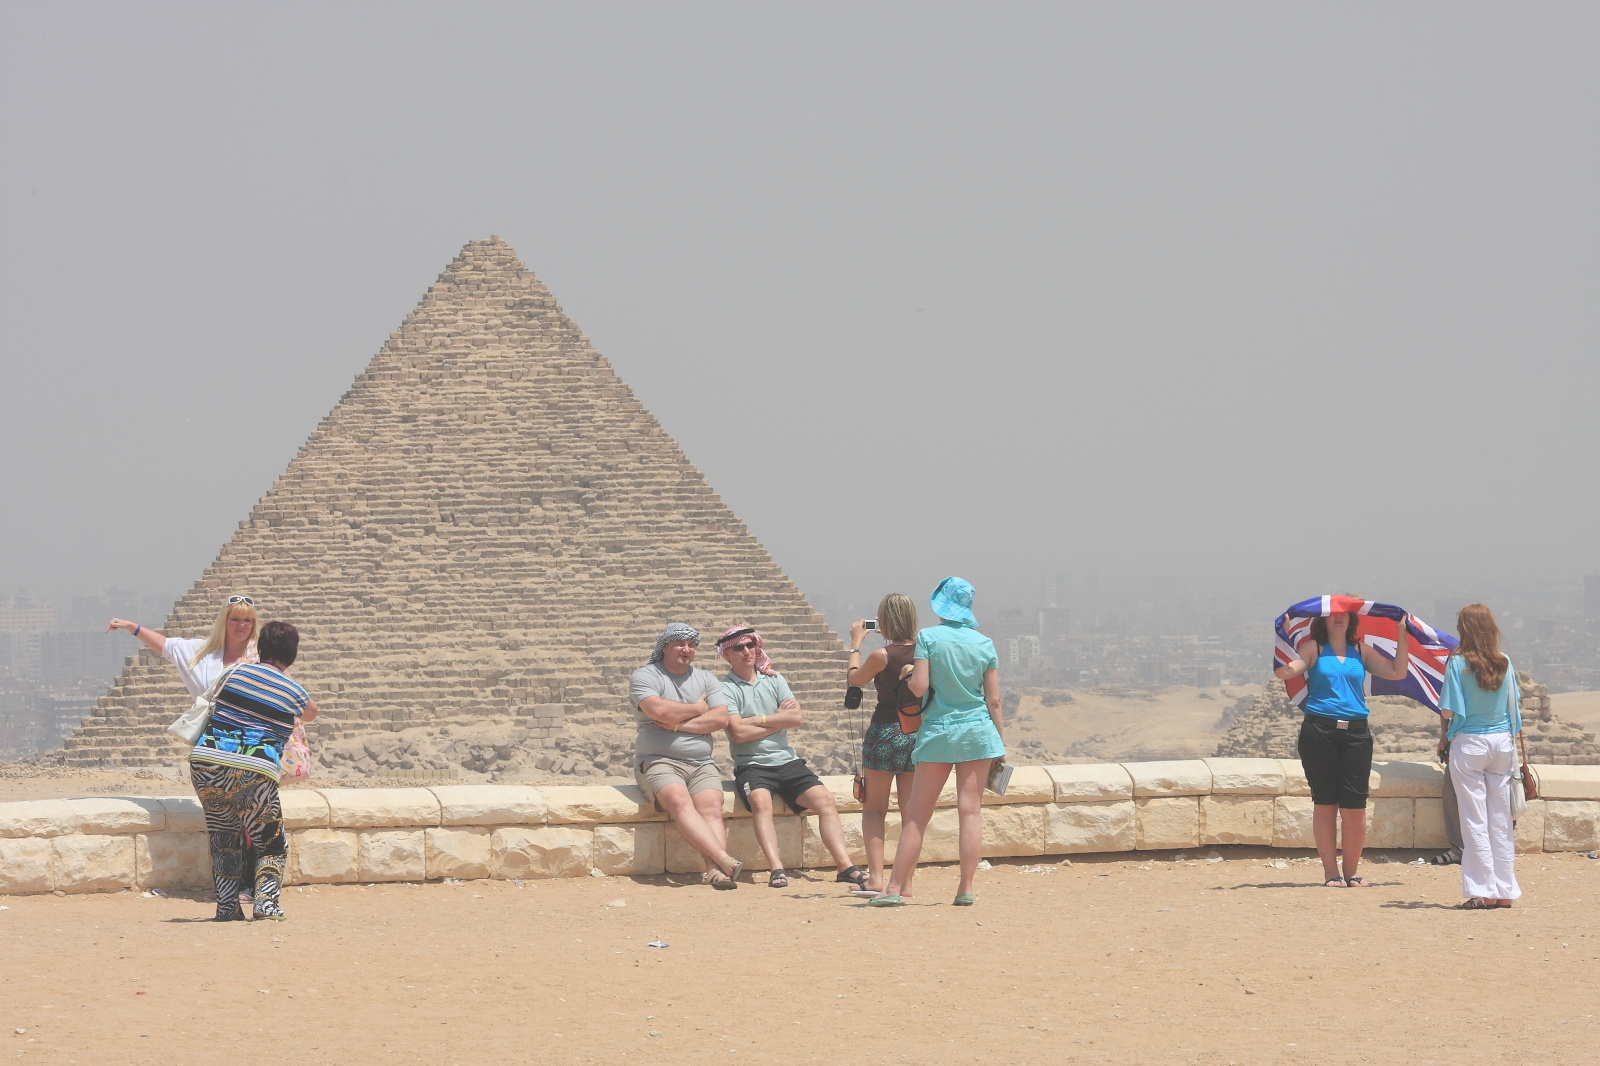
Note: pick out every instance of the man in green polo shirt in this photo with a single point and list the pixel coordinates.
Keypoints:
(761, 711)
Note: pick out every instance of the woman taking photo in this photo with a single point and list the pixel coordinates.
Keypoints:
(1478, 716)
(956, 667)
(885, 749)
(235, 767)
(1335, 741)
(200, 662)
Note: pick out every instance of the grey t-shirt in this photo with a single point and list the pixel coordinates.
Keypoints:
(654, 741)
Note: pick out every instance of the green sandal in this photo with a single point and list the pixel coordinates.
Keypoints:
(965, 899)
(886, 901)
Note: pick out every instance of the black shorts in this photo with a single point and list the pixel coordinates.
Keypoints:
(788, 781)
(1337, 761)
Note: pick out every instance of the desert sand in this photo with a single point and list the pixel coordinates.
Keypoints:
(1580, 708)
(1110, 725)
(1115, 960)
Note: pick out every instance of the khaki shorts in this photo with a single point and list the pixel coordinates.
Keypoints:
(658, 773)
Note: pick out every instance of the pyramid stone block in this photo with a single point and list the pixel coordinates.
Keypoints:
(487, 529)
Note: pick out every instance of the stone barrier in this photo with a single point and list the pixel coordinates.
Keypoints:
(518, 831)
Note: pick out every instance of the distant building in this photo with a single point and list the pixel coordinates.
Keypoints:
(23, 614)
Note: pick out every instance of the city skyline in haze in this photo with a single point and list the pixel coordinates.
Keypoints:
(1272, 301)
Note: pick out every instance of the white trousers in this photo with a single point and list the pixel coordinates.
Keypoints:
(1481, 765)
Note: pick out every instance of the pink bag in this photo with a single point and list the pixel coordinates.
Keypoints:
(296, 756)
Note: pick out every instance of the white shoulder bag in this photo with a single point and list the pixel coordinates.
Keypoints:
(193, 722)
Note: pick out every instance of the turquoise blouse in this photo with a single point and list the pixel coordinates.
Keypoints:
(1472, 710)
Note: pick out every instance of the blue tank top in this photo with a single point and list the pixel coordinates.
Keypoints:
(1335, 689)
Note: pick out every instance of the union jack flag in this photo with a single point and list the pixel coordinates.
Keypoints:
(1377, 626)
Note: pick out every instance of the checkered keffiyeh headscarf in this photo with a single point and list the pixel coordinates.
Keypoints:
(737, 633)
(674, 632)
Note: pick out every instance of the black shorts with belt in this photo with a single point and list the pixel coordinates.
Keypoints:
(1336, 754)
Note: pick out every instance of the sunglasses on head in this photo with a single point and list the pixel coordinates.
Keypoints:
(246, 600)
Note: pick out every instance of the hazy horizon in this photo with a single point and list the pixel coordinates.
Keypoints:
(1265, 301)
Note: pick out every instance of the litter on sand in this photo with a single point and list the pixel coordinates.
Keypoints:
(1038, 870)
(617, 903)
(658, 944)
(1212, 856)
(985, 864)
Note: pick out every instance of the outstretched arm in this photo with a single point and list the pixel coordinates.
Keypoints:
(1295, 667)
(148, 637)
(1391, 669)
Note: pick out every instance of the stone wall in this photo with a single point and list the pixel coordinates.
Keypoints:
(516, 831)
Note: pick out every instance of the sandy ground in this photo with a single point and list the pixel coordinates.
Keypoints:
(1580, 708)
(1176, 723)
(1106, 960)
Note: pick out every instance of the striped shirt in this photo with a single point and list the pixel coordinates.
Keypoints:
(255, 713)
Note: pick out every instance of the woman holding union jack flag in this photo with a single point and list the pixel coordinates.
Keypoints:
(1335, 740)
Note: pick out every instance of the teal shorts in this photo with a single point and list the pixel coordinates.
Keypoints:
(960, 737)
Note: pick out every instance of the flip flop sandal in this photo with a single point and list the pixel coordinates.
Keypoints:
(964, 899)
(1476, 904)
(853, 875)
(778, 879)
(886, 901)
(1503, 903)
(865, 893)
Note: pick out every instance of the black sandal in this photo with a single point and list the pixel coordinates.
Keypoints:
(853, 875)
(778, 879)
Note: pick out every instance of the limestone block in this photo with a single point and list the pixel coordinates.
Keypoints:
(1190, 777)
(840, 785)
(324, 855)
(1245, 777)
(461, 852)
(36, 818)
(1085, 826)
(1236, 819)
(1413, 780)
(120, 814)
(372, 808)
(1390, 822)
(392, 855)
(941, 841)
(1168, 822)
(304, 809)
(1571, 825)
(598, 803)
(184, 814)
(26, 865)
(814, 856)
(1427, 825)
(1014, 829)
(1029, 784)
(1555, 782)
(93, 863)
(1530, 827)
(789, 830)
(1090, 782)
(1294, 778)
(541, 851)
(1291, 822)
(490, 805)
(172, 860)
(630, 849)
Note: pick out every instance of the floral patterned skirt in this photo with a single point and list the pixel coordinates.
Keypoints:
(886, 748)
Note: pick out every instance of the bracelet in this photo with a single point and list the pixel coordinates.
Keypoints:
(675, 726)
(137, 629)
(763, 721)
(855, 651)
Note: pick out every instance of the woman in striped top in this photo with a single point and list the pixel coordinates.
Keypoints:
(235, 768)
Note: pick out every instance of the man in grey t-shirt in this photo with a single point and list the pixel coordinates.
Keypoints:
(680, 708)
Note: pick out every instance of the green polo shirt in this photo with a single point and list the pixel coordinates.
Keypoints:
(752, 700)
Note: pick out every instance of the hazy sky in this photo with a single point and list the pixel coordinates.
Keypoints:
(1290, 298)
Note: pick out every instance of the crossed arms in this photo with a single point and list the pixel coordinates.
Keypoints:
(695, 717)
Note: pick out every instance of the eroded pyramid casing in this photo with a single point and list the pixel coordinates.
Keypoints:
(488, 521)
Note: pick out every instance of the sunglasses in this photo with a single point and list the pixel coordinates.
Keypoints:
(246, 600)
(743, 647)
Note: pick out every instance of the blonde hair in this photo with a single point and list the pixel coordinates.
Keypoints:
(897, 617)
(219, 631)
(1480, 646)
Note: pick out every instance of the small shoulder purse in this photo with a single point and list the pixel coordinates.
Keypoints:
(193, 722)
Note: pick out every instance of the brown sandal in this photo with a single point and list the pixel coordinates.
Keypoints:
(1477, 903)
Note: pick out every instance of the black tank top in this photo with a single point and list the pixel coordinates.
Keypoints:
(888, 681)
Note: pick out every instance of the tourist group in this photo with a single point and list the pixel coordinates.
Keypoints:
(938, 711)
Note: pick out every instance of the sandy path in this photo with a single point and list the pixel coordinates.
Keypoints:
(1580, 708)
(1122, 960)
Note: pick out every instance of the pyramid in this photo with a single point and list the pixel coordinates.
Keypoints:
(487, 528)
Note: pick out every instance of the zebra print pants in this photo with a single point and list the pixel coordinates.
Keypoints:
(237, 803)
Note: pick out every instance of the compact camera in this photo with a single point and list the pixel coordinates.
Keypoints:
(869, 624)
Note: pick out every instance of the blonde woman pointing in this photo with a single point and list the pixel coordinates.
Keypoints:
(201, 662)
